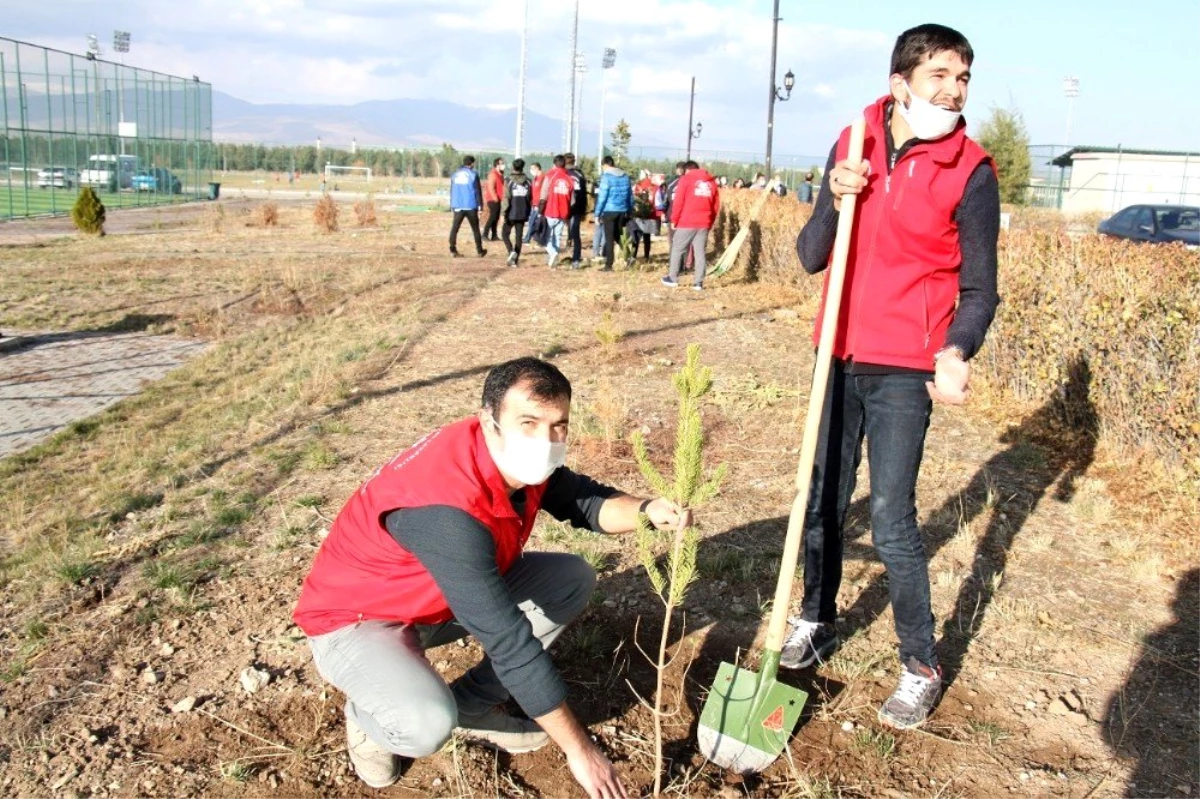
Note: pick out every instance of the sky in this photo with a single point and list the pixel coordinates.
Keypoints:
(1137, 63)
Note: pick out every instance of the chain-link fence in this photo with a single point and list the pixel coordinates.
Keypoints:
(137, 137)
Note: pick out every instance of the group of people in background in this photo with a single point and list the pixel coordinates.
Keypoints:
(548, 207)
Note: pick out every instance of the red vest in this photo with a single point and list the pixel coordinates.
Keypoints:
(558, 203)
(902, 272)
(361, 573)
(697, 200)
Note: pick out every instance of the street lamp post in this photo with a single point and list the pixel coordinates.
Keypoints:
(1070, 91)
(610, 58)
(693, 130)
(789, 80)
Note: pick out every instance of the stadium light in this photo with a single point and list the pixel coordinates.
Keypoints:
(607, 63)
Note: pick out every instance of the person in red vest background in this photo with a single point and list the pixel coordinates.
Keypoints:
(919, 296)
(431, 549)
(493, 195)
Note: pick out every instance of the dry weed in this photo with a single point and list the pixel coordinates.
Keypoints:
(1091, 502)
(268, 214)
(364, 211)
(325, 214)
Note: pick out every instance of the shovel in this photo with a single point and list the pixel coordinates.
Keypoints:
(748, 717)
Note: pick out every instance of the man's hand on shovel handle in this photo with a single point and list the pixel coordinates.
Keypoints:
(846, 178)
(950, 376)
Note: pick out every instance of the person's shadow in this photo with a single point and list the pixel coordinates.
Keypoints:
(1153, 717)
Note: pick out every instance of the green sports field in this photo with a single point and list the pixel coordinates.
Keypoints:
(17, 201)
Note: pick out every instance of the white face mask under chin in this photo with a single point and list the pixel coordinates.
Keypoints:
(525, 459)
(928, 121)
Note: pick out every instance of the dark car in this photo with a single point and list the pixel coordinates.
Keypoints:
(158, 180)
(1162, 224)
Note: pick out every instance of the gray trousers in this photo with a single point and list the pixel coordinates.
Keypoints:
(682, 239)
(397, 697)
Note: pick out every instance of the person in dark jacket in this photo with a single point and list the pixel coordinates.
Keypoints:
(919, 295)
(518, 202)
(614, 201)
(465, 200)
(432, 548)
(579, 209)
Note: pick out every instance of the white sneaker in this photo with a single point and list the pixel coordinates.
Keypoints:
(501, 731)
(373, 764)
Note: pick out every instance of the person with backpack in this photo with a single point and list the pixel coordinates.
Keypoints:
(466, 198)
(518, 199)
(579, 209)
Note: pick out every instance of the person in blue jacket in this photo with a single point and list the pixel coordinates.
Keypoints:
(466, 197)
(614, 201)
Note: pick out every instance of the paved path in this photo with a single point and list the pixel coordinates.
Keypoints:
(49, 380)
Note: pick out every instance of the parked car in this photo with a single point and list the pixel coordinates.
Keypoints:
(58, 177)
(1156, 223)
(156, 179)
(110, 172)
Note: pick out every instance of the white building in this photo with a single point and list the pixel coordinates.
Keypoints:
(1108, 179)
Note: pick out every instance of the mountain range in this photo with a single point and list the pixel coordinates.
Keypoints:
(398, 123)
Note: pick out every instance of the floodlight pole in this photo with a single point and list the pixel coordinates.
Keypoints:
(610, 58)
(521, 87)
(581, 71)
(1071, 91)
(121, 47)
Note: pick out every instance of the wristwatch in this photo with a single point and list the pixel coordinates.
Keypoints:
(950, 348)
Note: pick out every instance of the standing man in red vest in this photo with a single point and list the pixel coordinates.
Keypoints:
(493, 195)
(919, 296)
(430, 549)
(558, 194)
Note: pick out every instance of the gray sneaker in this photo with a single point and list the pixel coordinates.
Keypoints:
(373, 764)
(501, 731)
(809, 642)
(914, 699)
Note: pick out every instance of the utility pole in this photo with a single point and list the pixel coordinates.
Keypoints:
(581, 71)
(693, 130)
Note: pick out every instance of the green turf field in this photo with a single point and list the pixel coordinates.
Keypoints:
(17, 202)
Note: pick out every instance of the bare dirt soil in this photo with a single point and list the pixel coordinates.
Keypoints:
(1067, 611)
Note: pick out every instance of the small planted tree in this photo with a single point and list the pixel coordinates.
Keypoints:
(689, 489)
(88, 212)
(325, 214)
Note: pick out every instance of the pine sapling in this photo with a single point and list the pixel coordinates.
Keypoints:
(88, 212)
(688, 489)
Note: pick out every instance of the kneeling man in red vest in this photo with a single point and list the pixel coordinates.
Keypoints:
(430, 549)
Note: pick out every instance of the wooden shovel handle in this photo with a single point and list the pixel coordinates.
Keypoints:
(816, 401)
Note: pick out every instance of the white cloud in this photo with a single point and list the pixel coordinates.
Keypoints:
(347, 51)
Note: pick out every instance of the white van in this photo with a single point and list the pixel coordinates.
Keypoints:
(101, 169)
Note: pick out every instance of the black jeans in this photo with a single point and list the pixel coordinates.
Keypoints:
(575, 237)
(893, 412)
(508, 229)
(614, 226)
(472, 218)
(489, 230)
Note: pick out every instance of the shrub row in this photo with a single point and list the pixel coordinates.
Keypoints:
(1107, 332)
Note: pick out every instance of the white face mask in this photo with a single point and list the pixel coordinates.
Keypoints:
(928, 121)
(528, 460)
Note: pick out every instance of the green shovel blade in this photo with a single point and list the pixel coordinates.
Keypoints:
(748, 717)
